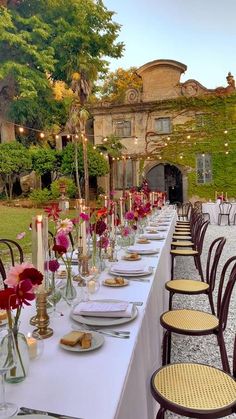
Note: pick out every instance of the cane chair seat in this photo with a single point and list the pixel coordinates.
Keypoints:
(182, 233)
(183, 252)
(181, 237)
(178, 222)
(182, 243)
(196, 388)
(186, 286)
(189, 320)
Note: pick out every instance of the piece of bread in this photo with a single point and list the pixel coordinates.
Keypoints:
(119, 280)
(110, 281)
(134, 256)
(86, 341)
(72, 338)
(3, 315)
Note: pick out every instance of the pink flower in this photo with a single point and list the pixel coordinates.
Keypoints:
(13, 276)
(64, 226)
(53, 265)
(129, 215)
(53, 211)
(63, 240)
(21, 235)
(125, 232)
(84, 216)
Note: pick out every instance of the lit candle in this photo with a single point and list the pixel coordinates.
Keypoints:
(84, 235)
(121, 211)
(40, 251)
(32, 345)
(130, 201)
(105, 201)
(91, 286)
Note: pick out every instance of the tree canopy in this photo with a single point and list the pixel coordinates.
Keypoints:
(45, 41)
(97, 164)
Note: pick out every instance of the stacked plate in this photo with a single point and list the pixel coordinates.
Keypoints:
(127, 269)
(143, 249)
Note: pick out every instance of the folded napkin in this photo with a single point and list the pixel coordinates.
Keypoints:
(104, 309)
(126, 267)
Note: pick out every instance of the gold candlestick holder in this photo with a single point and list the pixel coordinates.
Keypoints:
(41, 320)
(112, 257)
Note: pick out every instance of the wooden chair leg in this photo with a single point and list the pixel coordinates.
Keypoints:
(223, 353)
(210, 297)
(166, 348)
(161, 413)
(172, 267)
(170, 300)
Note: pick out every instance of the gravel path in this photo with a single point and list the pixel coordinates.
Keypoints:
(204, 349)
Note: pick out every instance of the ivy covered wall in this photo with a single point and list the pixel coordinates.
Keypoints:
(210, 128)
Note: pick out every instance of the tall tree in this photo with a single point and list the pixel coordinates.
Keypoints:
(37, 48)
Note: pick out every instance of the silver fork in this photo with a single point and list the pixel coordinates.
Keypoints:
(114, 333)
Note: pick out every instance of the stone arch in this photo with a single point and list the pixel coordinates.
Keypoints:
(162, 168)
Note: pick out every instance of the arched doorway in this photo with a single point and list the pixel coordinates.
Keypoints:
(166, 177)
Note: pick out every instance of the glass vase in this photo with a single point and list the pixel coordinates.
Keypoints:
(20, 370)
(69, 291)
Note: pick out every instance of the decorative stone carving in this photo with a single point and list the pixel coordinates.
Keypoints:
(132, 96)
(190, 88)
(230, 88)
(28, 182)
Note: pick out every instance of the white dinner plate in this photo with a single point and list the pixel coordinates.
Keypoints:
(144, 251)
(97, 341)
(105, 321)
(34, 416)
(143, 273)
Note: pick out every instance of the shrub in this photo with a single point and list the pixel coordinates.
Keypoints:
(40, 196)
(70, 188)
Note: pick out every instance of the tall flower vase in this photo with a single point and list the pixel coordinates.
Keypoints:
(69, 291)
(20, 370)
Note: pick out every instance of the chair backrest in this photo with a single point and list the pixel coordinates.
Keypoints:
(198, 206)
(10, 254)
(225, 291)
(225, 208)
(213, 258)
(234, 358)
(201, 235)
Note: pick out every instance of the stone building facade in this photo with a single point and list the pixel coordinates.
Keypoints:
(144, 123)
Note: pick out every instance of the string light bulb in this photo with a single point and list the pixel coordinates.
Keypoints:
(188, 137)
(226, 144)
(203, 154)
(42, 135)
(76, 136)
(181, 156)
(105, 139)
(68, 136)
(227, 152)
(21, 130)
(160, 157)
(135, 140)
(225, 131)
(57, 137)
(85, 139)
(168, 138)
(94, 147)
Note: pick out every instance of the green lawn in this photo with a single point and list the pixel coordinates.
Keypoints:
(16, 220)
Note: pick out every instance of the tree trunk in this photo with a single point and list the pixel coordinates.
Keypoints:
(86, 172)
(7, 132)
(77, 168)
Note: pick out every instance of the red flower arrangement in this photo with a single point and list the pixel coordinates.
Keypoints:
(21, 284)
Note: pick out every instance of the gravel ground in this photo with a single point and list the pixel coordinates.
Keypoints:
(204, 349)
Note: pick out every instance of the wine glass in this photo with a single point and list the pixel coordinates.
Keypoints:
(7, 362)
(90, 277)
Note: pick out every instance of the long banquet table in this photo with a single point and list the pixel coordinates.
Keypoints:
(111, 382)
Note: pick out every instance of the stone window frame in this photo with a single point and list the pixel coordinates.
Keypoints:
(204, 168)
(124, 127)
(163, 120)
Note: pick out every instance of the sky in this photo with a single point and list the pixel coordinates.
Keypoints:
(198, 33)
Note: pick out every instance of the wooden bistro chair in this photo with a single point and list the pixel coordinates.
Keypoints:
(195, 287)
(10, 254)
(195, 253)
(225, 209)
(184, 211)
(195, 390)
(199, 323)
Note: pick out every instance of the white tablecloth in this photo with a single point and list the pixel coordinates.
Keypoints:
(112, 382)
(213, 210)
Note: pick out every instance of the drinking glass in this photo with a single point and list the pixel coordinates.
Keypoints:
(7, 362)
(91, 278)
